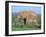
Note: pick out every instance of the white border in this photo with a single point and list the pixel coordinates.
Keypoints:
(29, 31)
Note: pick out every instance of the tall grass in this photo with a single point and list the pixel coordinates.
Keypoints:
(19, 26)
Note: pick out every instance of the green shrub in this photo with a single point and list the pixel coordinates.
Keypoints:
(18, 26)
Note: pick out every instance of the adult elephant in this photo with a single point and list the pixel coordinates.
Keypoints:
(28, 17)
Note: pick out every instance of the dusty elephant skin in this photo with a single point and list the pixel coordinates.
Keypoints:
(28, 17)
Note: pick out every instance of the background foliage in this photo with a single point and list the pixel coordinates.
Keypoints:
(19, 26)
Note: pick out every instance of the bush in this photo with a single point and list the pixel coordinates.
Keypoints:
(18, 26)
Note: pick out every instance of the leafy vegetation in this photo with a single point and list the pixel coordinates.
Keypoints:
(19, 26)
